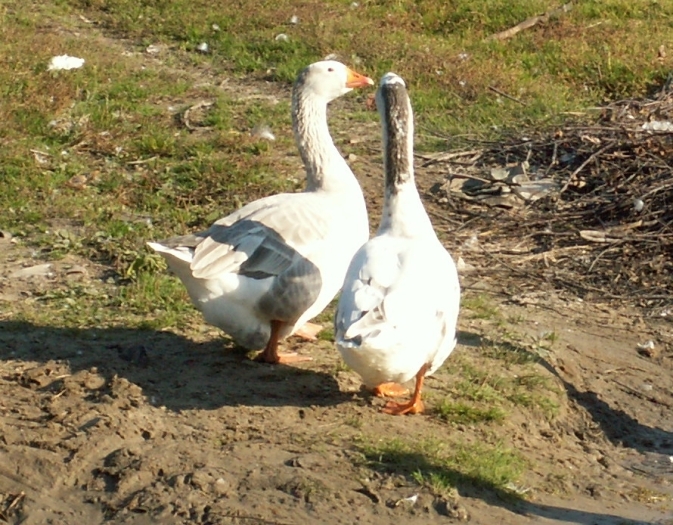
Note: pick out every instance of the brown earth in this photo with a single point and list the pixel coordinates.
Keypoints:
(131, 426)
(135, 426)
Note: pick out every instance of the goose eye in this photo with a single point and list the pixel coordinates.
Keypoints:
(330, 69)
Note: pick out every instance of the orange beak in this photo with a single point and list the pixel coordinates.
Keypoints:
(356, 80)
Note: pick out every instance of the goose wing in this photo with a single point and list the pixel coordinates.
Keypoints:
(263, 239)
(390, 291)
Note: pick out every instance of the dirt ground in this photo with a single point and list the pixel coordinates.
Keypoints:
(134, 426)
(130, 426)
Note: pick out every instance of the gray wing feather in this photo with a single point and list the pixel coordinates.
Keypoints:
(246, 247)
(247, 242)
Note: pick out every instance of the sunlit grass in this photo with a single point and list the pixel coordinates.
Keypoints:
(447, 464)
(461, 412)
(118, 123)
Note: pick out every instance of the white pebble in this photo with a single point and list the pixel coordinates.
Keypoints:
(649, 345)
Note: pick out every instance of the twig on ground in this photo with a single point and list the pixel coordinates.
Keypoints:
(608, 228)
(530, 22)
(506, 95)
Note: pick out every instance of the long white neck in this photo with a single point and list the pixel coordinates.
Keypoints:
(326, 169)
(403, 210)
(404, 214)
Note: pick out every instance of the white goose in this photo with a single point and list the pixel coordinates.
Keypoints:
(262, 272)
(399, 305)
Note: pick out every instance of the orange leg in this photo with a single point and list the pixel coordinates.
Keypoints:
(415, 405)
(270, 353)
(390, 390)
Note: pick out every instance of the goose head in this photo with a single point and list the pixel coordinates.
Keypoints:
(330, 79)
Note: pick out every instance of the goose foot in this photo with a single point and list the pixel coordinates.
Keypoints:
(270, 353)
(278, 358)
(292, 357)
(390, 390)
(398, 409)
(415, 405)
(309, 331)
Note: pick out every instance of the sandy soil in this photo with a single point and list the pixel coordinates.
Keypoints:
(134, 426)
(129, 426)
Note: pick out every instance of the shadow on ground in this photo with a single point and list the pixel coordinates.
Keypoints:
(618, 426)
(171, 370)
(409, 464)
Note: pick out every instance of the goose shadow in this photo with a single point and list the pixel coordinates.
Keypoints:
(618, 426)
(409, 464)
(171, 370)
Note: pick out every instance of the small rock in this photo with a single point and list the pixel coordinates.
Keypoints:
(294, 19)
(179, 480)
(78, 182)
(215, 27)
(307, 461)
(452, 509)
(221, 486)
(595, 491)
(203, 47)
(41, 270)
(5, 237)
(282, 37)
(464, 267)
(352, 157)
(647, 349)
(201, 480)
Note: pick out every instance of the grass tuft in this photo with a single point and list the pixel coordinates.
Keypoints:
(445, 465)
(460, 412)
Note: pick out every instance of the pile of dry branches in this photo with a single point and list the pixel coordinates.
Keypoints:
(604, 227)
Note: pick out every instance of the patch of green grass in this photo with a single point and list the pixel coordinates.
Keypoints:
(305, 488)
(119, 121)
(506, 352)
(483, 391)
(445, 465)
(341, 366)
(480, 306)
(354, 421)
(646, 495)
(598, 51)
(460, 412)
